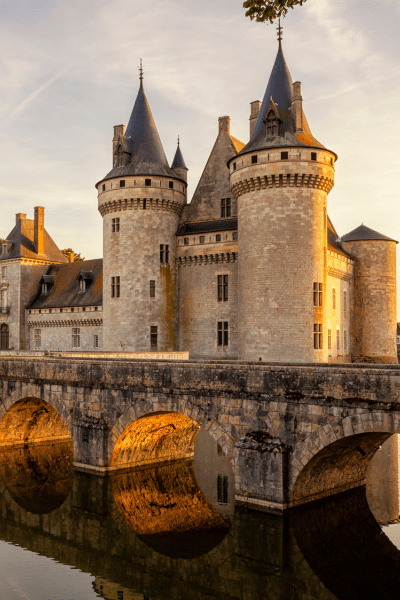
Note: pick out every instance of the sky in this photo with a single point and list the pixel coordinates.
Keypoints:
(69, 72)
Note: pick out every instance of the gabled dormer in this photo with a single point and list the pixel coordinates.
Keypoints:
(272, 120)
(123, 152)
(46, 282)
(85, 279)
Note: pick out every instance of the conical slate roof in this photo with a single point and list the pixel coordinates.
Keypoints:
(363, 233)
(280, 90)
(148, 156)
(178, 162)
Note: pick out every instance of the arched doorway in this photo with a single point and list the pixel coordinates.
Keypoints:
(4, 337)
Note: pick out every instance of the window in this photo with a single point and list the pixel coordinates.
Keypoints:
(220, 452)
(272, 124)
(345, 341)
(223, 208)
(331, 161)
(222, 284)
(104, 187)
(222, 489)
(122, 183)
(152, 288)
(95, 341)
(144, 203)
(329, 339)
(38, 338)
(147, 182)
(186, 241)
(44, 288)
(115, 225)
(345, 301)
(218, 237)
(313, 156)
(82, 284)
(115, 287)
(234, 166)
(3, 301)
(317, 336)
(334, 299)
(317, 294)
(284, 155)
(153, 336)
(164, 253)
(235, 235)
(76, 337)
(120, 595)
(4, 337)
(4, 272)
(222, 329)
(171, 185)
(202, 239)
(254, 159)
(337, 339)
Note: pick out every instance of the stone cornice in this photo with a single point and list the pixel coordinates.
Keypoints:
(279, 180)
(207, 259)
(67, 323)
(161, 204)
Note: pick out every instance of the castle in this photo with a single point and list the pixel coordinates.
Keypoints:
(252, 268)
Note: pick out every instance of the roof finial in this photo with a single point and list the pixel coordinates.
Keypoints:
(178, 140)
(141, 71)
(279, 30)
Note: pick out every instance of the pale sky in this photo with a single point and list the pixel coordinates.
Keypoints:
(69, 73)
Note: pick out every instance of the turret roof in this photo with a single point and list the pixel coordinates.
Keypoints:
(280, 90)
(363, 233)
(178, 162)
(148, 156)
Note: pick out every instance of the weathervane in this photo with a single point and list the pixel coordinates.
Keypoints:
(178, 140)
(279, 30)
(141, 70)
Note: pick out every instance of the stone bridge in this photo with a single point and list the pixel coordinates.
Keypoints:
(293, 432)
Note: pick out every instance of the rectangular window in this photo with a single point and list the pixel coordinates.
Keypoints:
(4, 272)
(104, 187)
(222, 489)
(345, 301)
(144, 204)
(313, 156)
(317, 294)
(115, 287)
(284, 155)
(186, 241)
(152, 288)
(115, 225)
(254, 159)
(222, 330)
(202, 239)
(317, 336)
(218, 237)
(329, 339)
(228, 207)
(171, 185)
(345, 341)
(4, 300)
(76, 337)
(122, 183)
(38, 338)
(223, 207)
(95, 341)
(153, 336)
(234, 166)
(222, 288)
(82, 284)
(147, 182)
(334, 299)
(337, 339)
(235, 235)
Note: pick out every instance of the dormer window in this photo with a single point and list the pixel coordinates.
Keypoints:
(6, 247)
(272, 124)
(85, 279)
(46, 282)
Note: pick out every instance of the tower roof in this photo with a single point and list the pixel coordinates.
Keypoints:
(147, 154)
(178, 162)
(280, 91)
(363, 233)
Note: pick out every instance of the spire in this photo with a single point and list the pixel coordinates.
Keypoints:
(178, 162)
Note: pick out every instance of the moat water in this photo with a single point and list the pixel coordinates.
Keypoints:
(173, 532)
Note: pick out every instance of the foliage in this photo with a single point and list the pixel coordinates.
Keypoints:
(268, 10)
(77, 257)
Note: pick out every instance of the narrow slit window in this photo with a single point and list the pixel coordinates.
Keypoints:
(329, 339)
(234, 166)
(345, 301)
(345, 341)
(152, 288)
(333, 298)
(104, 187)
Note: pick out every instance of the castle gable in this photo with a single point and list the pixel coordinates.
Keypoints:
(22, 244)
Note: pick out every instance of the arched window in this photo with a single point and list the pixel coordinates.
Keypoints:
(272, 124)
(4, 337)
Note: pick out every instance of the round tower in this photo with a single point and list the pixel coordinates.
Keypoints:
(281, 180)
(140, 200)
(375, 315)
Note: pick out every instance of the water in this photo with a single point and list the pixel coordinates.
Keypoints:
(172, 532)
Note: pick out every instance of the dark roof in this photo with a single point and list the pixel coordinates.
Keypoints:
(22, 238)
(178, 162)
(280, 89)
(332, 242)
(65, 289)
(148, 156)
(208, 226)
(363, 233)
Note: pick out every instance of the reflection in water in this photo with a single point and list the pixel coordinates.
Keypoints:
(346, 548)
(39, 477)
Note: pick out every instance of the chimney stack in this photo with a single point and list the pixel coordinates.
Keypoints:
(39, 230)
(118, 130)
(71, 256)
(297, 106)
(224, 124)
(254, 110)
(19, 216)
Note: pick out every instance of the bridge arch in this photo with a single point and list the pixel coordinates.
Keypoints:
(185, 416)
(335, 457)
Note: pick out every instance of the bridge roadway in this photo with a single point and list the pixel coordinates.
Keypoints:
(293, 432)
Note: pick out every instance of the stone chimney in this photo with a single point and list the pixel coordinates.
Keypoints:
(297, 106)
(71, 256)
(39, 230)
(254, 110)
(118, 130)
(19, 216)
(224, 124)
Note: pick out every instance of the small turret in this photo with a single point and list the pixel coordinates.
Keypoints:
(178, 164)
